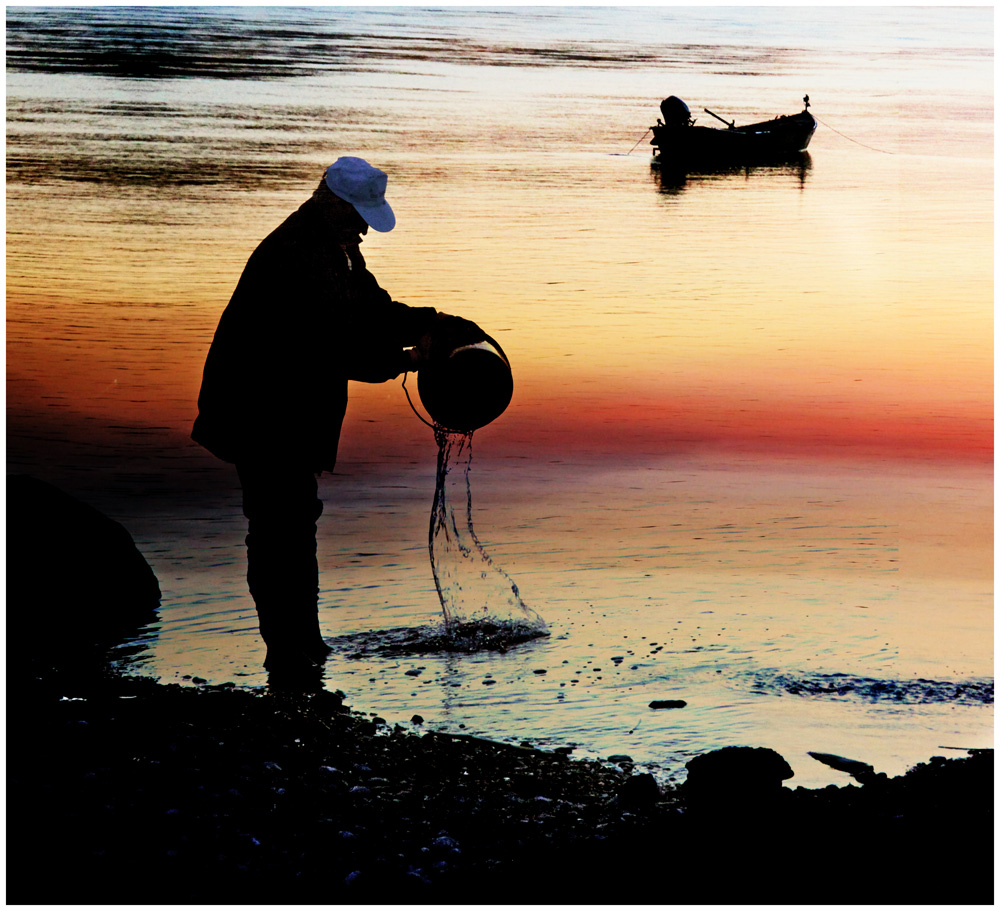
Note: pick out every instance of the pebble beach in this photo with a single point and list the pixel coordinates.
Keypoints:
(200, 794)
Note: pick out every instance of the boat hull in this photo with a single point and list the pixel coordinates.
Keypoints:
(770, 140)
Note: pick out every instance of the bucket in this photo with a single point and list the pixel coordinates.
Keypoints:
(466, 382)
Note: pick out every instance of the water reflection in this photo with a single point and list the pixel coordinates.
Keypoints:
(673, 180)
(128, 144)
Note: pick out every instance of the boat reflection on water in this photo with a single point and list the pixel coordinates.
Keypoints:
(674, 179)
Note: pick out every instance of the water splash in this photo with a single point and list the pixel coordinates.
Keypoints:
(477, 597)
(465, 638)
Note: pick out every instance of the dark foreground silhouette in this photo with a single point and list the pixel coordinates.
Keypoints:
(74, 577)
(127, 791)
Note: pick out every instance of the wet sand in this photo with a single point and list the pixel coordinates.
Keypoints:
(130, 791)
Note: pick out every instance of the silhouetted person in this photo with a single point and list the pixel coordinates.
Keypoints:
(305, 318)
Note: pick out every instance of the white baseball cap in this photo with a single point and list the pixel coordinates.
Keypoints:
(363, 186)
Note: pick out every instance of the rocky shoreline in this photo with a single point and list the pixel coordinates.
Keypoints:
(122, 790)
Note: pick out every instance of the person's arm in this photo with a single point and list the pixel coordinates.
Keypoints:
(385, 338)
(393, 338)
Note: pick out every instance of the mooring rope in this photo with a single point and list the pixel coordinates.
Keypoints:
(883, 151)
(641, 138)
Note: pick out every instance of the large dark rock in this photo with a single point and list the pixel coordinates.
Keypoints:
(639, 792)
(736, 775)
(71, 570)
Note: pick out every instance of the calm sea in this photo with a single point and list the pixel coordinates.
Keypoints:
(748, 463)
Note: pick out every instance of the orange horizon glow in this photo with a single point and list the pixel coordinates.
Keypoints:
(770, 427)
(554, 412)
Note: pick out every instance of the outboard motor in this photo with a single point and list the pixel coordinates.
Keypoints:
(466, 381)
(675, 112)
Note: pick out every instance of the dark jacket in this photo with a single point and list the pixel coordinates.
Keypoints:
(300, 324)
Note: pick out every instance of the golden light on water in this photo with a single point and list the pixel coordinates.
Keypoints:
(802, 300)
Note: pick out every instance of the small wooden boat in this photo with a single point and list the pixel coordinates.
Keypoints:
(678, 141)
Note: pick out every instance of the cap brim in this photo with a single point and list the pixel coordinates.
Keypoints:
(381, 218)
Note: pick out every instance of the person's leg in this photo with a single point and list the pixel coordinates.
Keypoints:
(282, 507)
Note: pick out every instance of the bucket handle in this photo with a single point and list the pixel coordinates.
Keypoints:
(414, 407)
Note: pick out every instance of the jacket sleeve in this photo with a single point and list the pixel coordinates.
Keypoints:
(379, 331)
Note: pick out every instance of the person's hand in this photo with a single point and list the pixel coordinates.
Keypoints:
(443, 333)
(423, 350)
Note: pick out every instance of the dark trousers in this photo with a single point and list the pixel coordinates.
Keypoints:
(282, 507)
